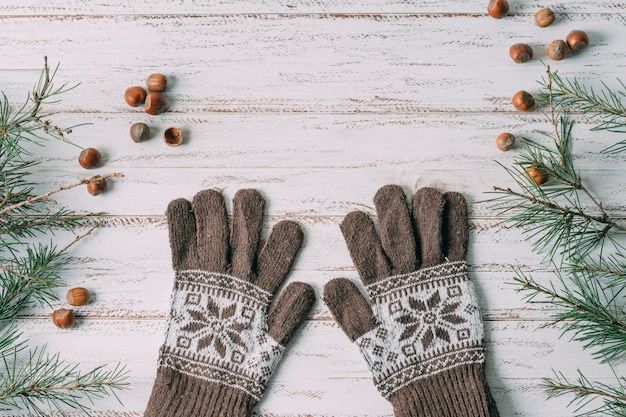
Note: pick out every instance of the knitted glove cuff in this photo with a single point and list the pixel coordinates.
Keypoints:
(217, 332)
(176, 394)
(461, 391)
(428, 323)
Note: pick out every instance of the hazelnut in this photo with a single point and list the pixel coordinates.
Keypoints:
(63, 318)
(134, 96)
(536, 174)
(498, 8)
(90, 158)
(173, 136)
(521, 52)
(523, 100)
(505, 141)
(78, 296)
(557, 50)
(156, 82)
(139, 132)
(544, 17)
(155, 103)
(97, 185)
(577, 40)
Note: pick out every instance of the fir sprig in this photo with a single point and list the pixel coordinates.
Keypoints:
(31, 379)
(590, 313)
(45, 382)
(564, 220)
(586, 394)
(607, 106)
(26, 124)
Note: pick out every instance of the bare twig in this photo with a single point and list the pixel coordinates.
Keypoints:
(56, 190)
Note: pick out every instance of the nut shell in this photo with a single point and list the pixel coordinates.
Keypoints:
(135, 95)
(537, 175)
(498, 8)
(523, 100)
(97, 185)
(139, 132)
(544, 17)
(155, 103)
(521, 52)
(505, 141)
(78, 296)
(173, 136)
(577, 40)
(557, 50)
(156, 82)
(63, 318)
(90, 158)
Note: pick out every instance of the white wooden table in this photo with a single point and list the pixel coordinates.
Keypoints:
(316, 104)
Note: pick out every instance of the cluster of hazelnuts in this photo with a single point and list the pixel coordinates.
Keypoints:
(65, 317)
(154, 103)
(576, 41)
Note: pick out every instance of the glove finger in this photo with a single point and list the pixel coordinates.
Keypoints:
(365, 247)
(289, 311)
(278, 254)
(428, 206)
(455, 227)
(212, 230)
(396, 229)
(182, 234)
(351, 310)
(246, 231)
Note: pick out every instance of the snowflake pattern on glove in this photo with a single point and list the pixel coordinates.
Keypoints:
(427, 321)
(217, 331)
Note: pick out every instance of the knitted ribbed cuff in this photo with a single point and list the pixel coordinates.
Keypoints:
(458, 392)
(175, 394)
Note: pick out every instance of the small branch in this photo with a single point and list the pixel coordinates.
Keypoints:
(529, 285)
(604, 219)
(80, 237)
(45, 195)
(585, 391)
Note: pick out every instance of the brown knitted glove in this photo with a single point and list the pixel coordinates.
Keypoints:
(223, 341)
(422, 336)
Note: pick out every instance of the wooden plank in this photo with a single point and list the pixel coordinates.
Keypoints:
(303, 63)
(317, 140)
(93, 7)
(126, 265)
(301, 192)
(322, 365)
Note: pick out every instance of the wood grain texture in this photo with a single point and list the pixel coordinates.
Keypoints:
(317, 104)
(447, 7)
(304, 63)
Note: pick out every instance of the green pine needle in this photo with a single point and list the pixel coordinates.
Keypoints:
(607, 106)
(31, 379)
(583, 243)
(589, 398)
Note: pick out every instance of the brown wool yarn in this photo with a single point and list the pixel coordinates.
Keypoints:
(226, 332)
(420, 331)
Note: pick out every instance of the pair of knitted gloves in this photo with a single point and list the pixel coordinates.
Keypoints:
(420, 332)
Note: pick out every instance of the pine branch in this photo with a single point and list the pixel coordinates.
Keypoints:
(45, 382)
(32, 279)
(26, 123)
(37, 381)
(565, 220)
(586, 393)
(608, 106)
(589, 314)
(47, 194)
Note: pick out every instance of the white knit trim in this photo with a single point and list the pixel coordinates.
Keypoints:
(428, 321)
(217, 331)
